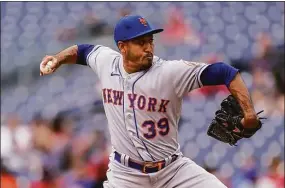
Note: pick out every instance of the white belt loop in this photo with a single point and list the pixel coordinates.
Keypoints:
(127, 160)
(168, 160)
(123, 159)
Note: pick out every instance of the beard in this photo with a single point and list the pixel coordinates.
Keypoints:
(147, 62)
(143, 63)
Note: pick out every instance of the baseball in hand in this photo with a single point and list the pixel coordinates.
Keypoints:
(48, 67)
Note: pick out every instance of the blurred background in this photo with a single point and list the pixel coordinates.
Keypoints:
(53, 128)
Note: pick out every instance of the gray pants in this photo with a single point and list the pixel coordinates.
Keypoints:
(182, 173)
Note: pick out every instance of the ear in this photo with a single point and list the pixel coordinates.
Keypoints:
(122, 47)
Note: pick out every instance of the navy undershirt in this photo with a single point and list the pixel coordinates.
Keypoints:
(218, 74)
(83, 51)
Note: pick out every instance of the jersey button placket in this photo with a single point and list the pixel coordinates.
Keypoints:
(127, 86)
(128, 110)
(129, 116)
(127, 83)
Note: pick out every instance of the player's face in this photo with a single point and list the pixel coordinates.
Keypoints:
(140, 51)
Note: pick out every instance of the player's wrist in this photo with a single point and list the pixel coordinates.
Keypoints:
(250, 121)
(250, 116)
(58, 60)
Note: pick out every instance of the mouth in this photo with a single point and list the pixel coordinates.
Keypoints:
(149, 56)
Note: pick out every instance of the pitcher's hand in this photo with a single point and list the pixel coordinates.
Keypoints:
(48, 65)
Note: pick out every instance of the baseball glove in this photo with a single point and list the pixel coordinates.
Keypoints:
(227, 127)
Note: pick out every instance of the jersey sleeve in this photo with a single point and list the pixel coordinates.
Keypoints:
(99, 56)
(185, 75)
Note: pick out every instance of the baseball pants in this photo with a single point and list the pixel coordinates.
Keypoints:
(182, 173)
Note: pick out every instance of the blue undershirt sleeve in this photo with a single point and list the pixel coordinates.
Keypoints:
(218, 74)
(83, 51)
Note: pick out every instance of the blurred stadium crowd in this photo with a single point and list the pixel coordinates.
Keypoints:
(53, 129)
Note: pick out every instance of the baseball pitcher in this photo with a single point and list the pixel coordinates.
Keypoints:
(142, 96)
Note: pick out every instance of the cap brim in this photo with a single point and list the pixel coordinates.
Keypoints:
(153, 31)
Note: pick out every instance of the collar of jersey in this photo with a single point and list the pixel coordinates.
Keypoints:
(123, 71)
(119, 70)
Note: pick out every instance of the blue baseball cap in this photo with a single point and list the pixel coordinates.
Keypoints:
(132, 26)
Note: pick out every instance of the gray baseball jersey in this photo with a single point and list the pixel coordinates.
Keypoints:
(143, 108)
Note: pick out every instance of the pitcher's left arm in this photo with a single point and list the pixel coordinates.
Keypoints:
(224, 74)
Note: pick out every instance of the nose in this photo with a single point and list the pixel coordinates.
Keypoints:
(149, 48)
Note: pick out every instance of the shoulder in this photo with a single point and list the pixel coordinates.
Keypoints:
(100, 54)
(158, 61)
(172, 65)
(104, 49)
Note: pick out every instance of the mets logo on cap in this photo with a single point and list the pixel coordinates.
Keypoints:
(143, 21)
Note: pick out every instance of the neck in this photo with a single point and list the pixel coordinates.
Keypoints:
(130, 67)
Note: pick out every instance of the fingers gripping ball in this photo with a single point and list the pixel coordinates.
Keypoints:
(48, 67)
